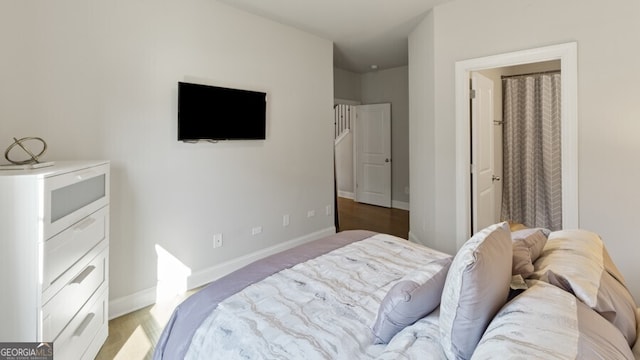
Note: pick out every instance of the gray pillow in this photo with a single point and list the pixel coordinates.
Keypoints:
(410, 299)
(476, 288)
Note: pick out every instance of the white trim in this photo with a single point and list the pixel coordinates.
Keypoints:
(568, 55)
(141, 299)
(205, 276)
(402, 205)
(341, 137)
(346, 194)
(133, 302)
(396, 204)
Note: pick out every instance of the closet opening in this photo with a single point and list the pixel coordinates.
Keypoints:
(566, 54)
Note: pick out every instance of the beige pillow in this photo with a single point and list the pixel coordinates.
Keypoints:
(527, 247)
(636, 347)
(577, 261)
(477, 286)
(545, 322)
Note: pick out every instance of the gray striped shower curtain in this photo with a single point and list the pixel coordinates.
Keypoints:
(532, 187)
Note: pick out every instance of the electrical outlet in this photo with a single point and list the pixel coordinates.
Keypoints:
(256, 230)
(311, 213)
(285, 220)
(327, 210)
(217, 240)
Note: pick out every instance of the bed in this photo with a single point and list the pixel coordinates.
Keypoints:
(529, 293)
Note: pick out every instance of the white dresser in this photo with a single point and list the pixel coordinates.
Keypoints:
(54, 256)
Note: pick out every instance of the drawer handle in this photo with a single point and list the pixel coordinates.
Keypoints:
(84, 224)
(86, 174)
(83, 325)
(83, 275)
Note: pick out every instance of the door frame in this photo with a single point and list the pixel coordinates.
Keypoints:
(568, 55)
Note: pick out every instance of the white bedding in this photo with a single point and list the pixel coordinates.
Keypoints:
(292, 314)
(418, 341)
(324, 307)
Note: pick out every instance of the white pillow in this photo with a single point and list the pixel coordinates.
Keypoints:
(476, 288)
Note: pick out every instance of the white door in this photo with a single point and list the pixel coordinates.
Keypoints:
(373, 154)
(482, 153)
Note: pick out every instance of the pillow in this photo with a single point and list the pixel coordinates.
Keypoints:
(477, 286)
(577, 261)
(546, 322)
(636, 346)
(527, 247)
(410, 299)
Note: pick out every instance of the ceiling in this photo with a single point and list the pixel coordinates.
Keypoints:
(364, 32)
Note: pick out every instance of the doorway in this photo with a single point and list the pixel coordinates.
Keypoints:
(567, 55)
(362, 150)
(487, 143)
(354, 216)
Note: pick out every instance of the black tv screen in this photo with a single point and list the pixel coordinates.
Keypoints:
(216, 113)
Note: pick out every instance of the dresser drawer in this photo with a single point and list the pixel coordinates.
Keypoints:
(89, 323)
(74, 293)
(68, 247)
(71, 196)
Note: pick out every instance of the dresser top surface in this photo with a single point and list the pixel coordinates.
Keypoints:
(59, 167)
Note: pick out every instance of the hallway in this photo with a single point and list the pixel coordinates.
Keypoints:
(354, 215)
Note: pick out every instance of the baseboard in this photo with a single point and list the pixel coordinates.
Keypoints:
(130, 303)
(206, 276)
(402, 205)
(141, 299)
(346, 194)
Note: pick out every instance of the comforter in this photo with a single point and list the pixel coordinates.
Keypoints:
(318, 300)
(325, 300)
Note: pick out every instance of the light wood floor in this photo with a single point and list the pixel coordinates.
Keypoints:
(133, 336)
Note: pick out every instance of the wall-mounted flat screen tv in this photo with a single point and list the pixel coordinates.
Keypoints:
(216, 113)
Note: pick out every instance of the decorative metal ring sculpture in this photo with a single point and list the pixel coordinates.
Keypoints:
(19, 142)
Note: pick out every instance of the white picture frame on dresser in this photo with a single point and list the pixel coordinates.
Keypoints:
(54, 256)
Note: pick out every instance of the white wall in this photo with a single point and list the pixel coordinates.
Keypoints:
(347, 85)
(607, 100)
(98, 79)
(422, 156)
